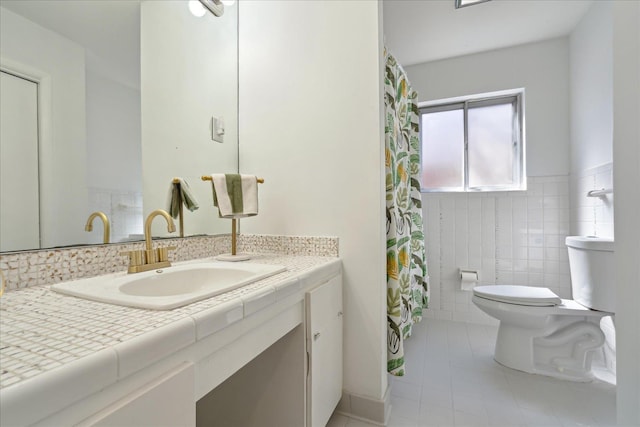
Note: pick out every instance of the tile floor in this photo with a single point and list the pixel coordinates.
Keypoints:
(452, 380)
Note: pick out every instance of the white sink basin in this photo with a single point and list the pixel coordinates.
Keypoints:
(169, 287)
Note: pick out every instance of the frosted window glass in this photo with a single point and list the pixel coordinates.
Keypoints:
(491, 151)
(443, 149)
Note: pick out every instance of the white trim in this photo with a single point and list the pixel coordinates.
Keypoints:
(364, 408)
(475, 97)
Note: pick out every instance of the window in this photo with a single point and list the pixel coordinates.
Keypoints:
(474, 143)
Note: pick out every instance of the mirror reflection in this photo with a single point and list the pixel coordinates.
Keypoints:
(103, 104)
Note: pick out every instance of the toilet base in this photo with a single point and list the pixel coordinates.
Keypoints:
(565, 353)
(556, 341)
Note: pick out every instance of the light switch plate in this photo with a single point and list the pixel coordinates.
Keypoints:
(217, 129)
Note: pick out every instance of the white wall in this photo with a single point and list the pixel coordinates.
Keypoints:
(60, 65)
(189, 74)
(591, 82)
(311, 125)
(113, 144)
(626, 158)
(541, 68)
(113, 134)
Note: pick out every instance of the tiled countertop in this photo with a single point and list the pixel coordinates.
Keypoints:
(41, 330)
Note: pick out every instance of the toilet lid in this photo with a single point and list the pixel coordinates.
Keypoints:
(522, 295)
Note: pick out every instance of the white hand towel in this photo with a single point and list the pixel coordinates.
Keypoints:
(180, 192)
(236, 196)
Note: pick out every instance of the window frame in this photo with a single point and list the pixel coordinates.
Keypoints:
(514, 97)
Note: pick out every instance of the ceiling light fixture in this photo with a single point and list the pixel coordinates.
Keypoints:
(196, 8)
(465, 3)
(214, 6)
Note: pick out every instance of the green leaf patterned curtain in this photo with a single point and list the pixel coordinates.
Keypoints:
(407, 290)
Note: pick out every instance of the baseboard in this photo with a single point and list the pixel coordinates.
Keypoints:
(365, 408)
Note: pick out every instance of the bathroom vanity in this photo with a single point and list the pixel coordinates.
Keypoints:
(268, 353)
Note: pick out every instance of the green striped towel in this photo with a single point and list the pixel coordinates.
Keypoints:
(180, 192)
(235, 195)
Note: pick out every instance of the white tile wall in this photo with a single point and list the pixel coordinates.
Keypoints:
(509, 237)
(592, 216)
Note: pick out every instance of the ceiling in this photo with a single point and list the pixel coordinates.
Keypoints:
(415, 30)
(427, 30)
(108, 29)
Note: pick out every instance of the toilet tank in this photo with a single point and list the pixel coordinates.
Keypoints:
(591, 264)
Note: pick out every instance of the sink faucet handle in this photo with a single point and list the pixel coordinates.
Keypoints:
(149, 258)
(135, 257)
(162, 254)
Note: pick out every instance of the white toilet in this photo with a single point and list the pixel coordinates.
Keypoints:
(542, 334)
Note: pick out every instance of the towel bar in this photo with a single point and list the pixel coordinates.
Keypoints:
(208, 178)
(600, 193)
(234, 223)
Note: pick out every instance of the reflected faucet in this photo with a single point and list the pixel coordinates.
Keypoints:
(105, 222)
(150, 259)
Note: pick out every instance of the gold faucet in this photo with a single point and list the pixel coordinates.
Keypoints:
(150, 259)
(105, 222)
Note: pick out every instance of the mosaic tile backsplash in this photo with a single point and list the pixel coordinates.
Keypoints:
(48, 266)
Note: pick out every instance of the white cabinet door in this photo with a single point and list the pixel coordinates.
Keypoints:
(324, 346)
(167, 401)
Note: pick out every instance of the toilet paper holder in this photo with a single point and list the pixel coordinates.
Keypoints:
(469, 275)
(468, 279)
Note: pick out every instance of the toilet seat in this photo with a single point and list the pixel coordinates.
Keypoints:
(520, 295)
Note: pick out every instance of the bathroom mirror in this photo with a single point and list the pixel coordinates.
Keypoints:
(123, 96)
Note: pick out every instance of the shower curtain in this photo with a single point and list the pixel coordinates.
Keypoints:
(407, 290)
